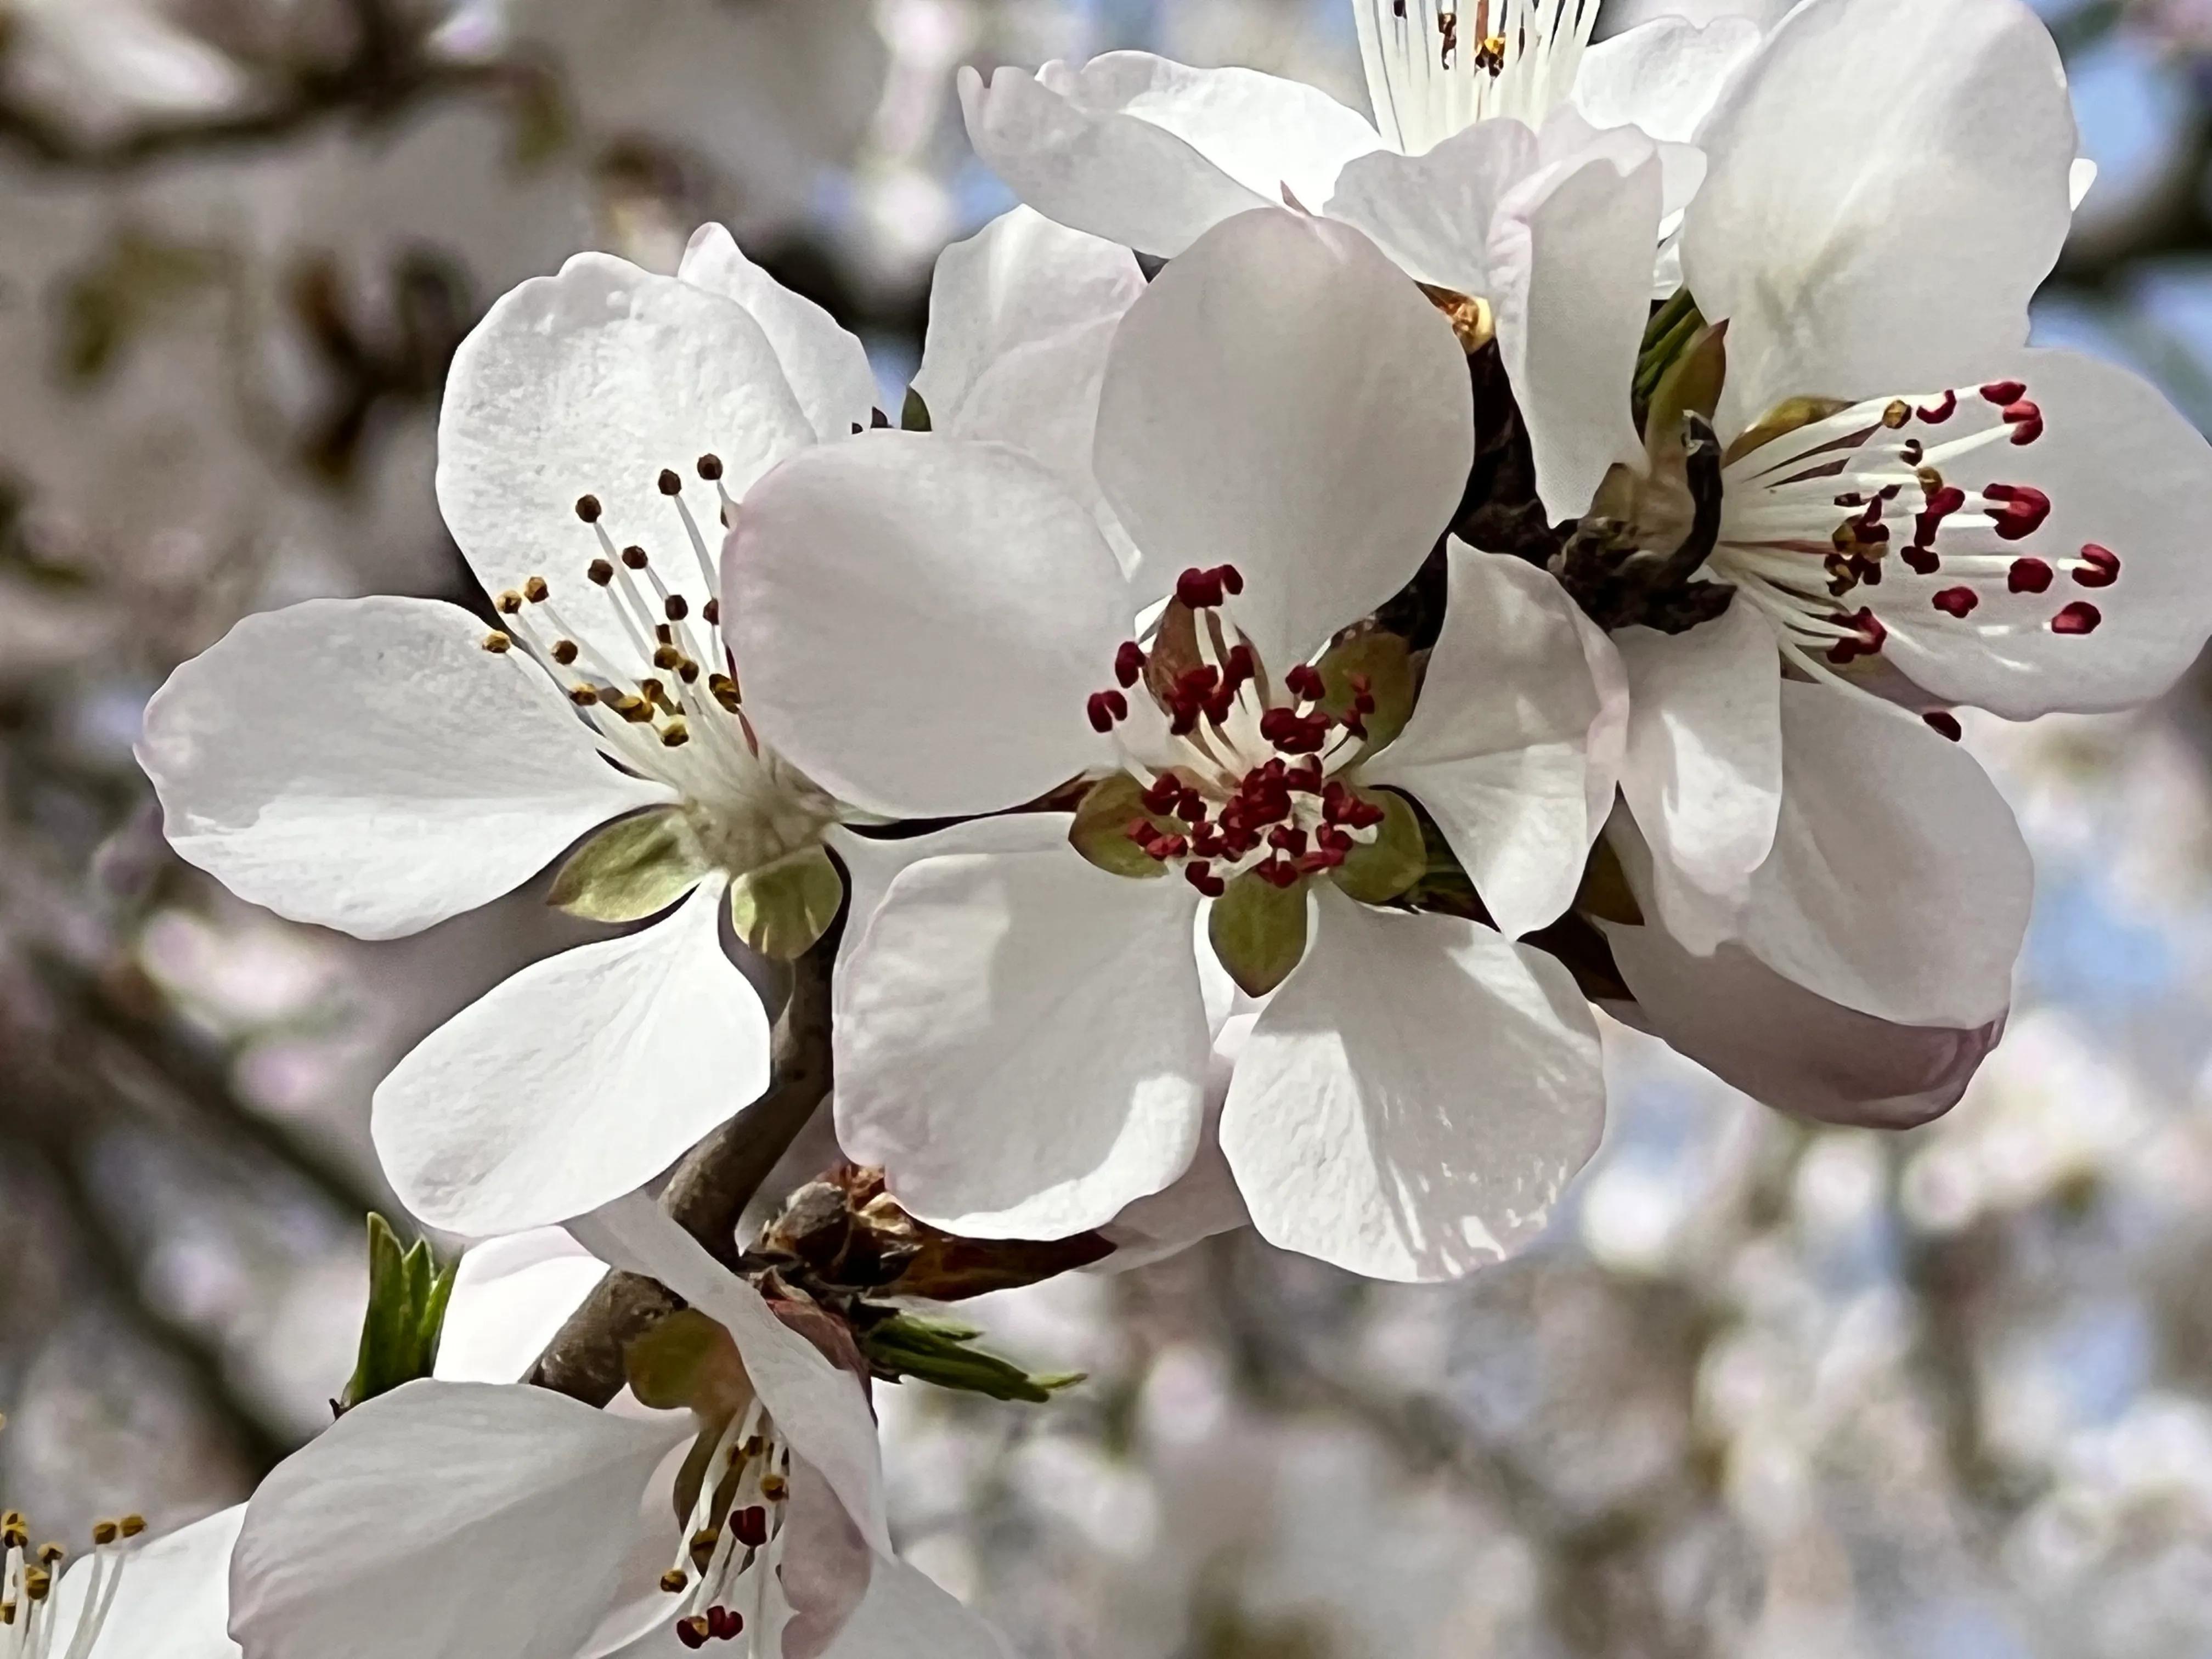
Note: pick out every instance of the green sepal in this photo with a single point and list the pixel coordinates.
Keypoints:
(1672, 328)
(1387, 660)
(937, 1351)
(1387, 867)
(1259, 932)
(1691, 386)
(406, 1316)
(1101, 829)
(632, 869)
(914, 414)
(782, 908)
(687, 1360)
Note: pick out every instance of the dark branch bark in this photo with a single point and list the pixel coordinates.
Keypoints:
(707, 1194)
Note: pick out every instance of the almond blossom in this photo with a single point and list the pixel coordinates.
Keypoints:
(1911, 503)
(937, 629)
(1510, 165)
(488, 1519)
(379, 765)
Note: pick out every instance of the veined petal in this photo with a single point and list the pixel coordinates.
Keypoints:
(511, 1296)
(2105, 604)
(1498, 746)
(1432, 213)
(1021, 317)
(593, 383)
(1415, 1097)
(1153, 154)
(580, 1078)
(1863, 140)
(1788, 1049)
(445, 1521)
(1702, 774)
(906, 1616)
(1023, 1042)
(827, 1566)
(873, 863)
(1663, 76)
(171, 1597)
(365, 764)
(818, 1407)
(827, 369)
(1202, 1200)
(1570, 260)
(1284, 400)
(1898, 884)
(919, 623)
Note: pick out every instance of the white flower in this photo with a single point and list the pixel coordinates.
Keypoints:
(937, 629)
(128, 1598)
(452, 1520)
(1520, 169)
(1912, 502)
(379, 765)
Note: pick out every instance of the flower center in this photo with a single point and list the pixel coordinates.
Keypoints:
(1245, 779)
(733, 1537)
(1812, 518)
(683, 722)
(1433, 70)
(28, 1629)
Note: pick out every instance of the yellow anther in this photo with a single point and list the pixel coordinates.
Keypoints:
(7, 1612)
(636, 710)
(687, 671)
(131, 1525)
(497, 643)
(675, 1581)
(583, 695)
(50, 1554)
(774, 1487)
(564, 652)
(601, 572)
(1897, 414)
(725, 689)
(509, 602)
(104, 1532)
(37, 1581)
(675, 735)
(536, 591)
(1490, 55)
(667, 656)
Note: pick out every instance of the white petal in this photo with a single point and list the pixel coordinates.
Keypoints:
(1788, 1049)
(919, 623)
(2123, 471)
(826, 368)
(1022, 1042)
(826, 1567)
(1153, 155)
(365, 764)
(820, 1408)
(511, 1296)
(1898, 884)
(2081, 181)
(873, 863)
(1888, 186)
(584, 1076)
(1703, 769)
(1432, 213)
(1415, 1097)
(1663, 76)
(170, 1600)
(1570, 260)
(1021, 317)
(445, 1521)
(1284, 400)
(593, 382)
(1201, 1202)
(1498, 749)
(906, 1616)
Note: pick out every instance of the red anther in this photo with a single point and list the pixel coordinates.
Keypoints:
(1305, 683)
(1958, 602)
(1869, 527)
(2027, 421)
(1327, 836)
(1305, 778)
(2028, 576)
(2022, 509)
(1314, 864)
(1206, 842)
(1868, 642)
(2102, 567)
(693, 1632)
(1288, 839)
(1191, 809)
(1129, 664)
(723, 1623)
(1923, 560)
(1198, 682)
(1202, 878)
(1943, 722)
(1279, 872)
(1106, 709)
(1942, 412)
(1165, 792)
(1185, 712)
(1242, 667)
(1366, 815)
(1199, 590)
(1141, 831)
(2001, 392)
(750, 1526)
(1218, 705)
(1940, 505)
(1169, 847)
(2079, 617)
(1230, 578)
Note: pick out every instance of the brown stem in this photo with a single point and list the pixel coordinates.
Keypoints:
(707, 1194)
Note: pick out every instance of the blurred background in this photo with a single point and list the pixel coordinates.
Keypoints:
(1763, 1391)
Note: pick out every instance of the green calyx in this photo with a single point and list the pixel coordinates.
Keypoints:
(937, 1351)
(1106, 825)
(1259, 931)
(406, 1316)
(782, 908)
(634, 868)
(1382, 871)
